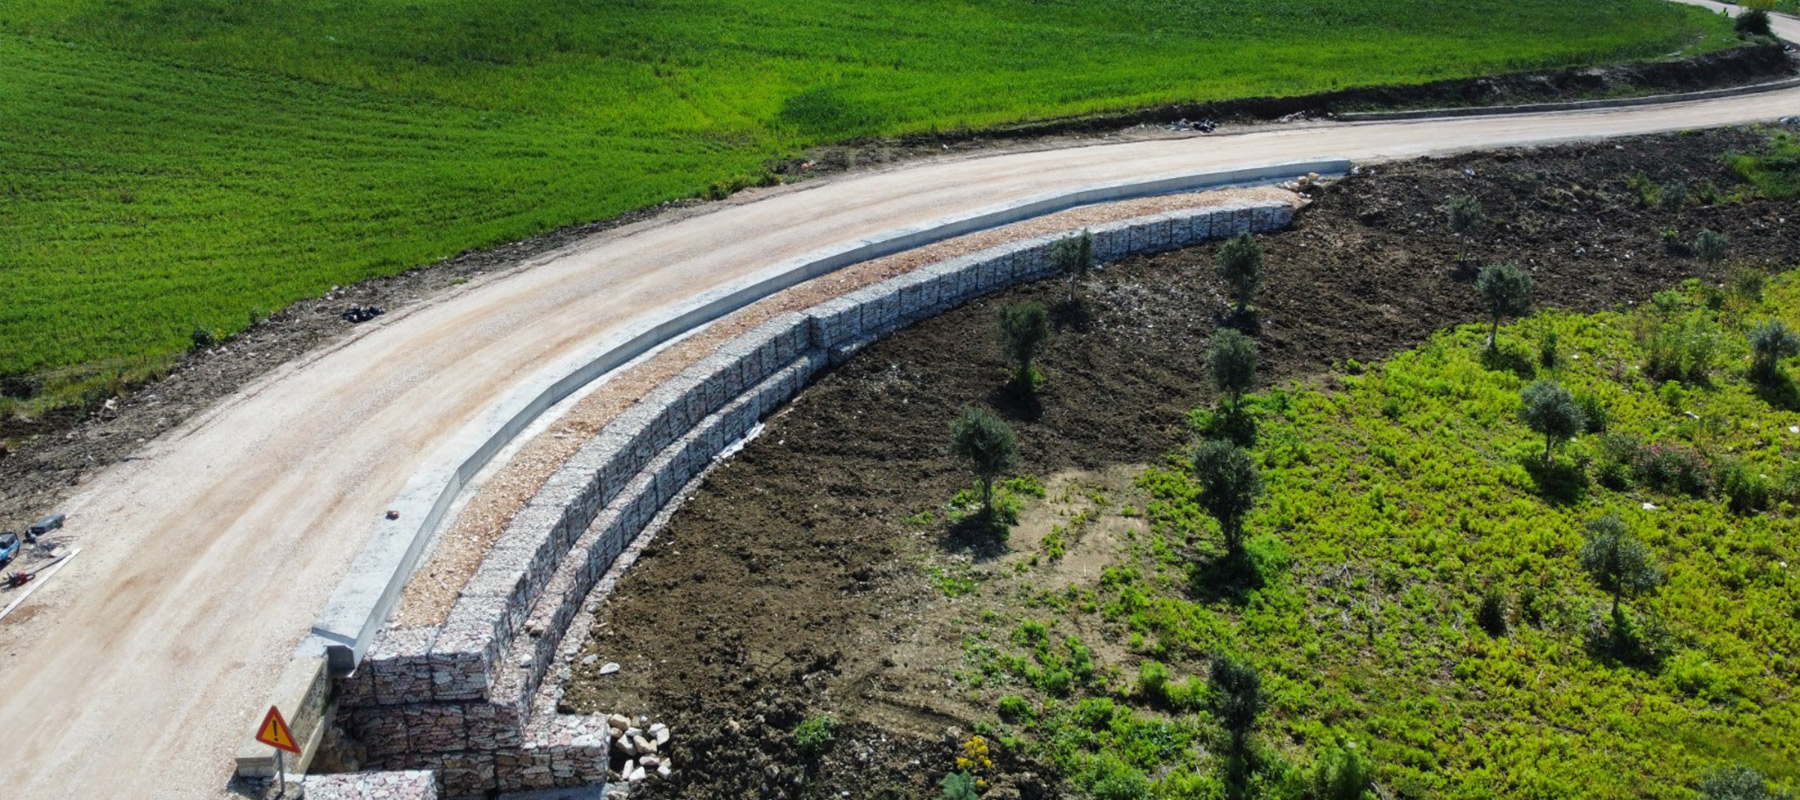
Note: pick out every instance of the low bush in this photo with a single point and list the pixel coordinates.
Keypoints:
(1014, 708)
(1491, 614)
(1746, 491)
(1342, 773)
(815, 735)
(1681, 349)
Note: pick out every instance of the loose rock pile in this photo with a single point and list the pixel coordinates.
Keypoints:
(644, 747)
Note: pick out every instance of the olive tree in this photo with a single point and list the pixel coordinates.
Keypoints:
(1770, 342)
(1619, 564)
(1711, 247)
(1023, 330)
(1230, 484)
(987, 443)
(1551, 410)
(1505, 290)
(1466, 216)
(1237, 698)
(1240, 263)
(1073, 258)
(1232, 362)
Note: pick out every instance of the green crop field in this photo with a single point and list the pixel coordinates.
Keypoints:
(168, 165)
(1413, 586)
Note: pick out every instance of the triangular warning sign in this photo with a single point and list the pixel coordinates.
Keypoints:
(274, 732)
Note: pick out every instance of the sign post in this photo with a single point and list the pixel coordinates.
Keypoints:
(274, 732)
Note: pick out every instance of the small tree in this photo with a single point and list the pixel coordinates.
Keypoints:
(1505, 290)
(1619, 564)
(1737, 783)
(1230, 484)
(1711, 247)
(988, 444)
(1466, 217)
(1240, 262)
(1232, 362)
(1551, 410)
(1073, 258)
(1237, 697)
(1770, 342)
(1023, 330)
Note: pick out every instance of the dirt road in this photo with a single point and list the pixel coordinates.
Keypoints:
(207, 557)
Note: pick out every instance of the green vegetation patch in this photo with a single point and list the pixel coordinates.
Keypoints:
(1423, 594)
(173, 167)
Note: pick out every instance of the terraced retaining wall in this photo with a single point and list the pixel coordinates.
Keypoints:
(458, 698)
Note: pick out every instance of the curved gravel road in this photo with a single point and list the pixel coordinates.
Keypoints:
(208, 555)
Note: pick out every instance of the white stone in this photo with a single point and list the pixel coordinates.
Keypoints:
(626, 745)
(608, 668)
(643, 745)
(636, 776)
(1794, 429)
(661, 734)
(619, 721)
(1649, 506)
(665, 770)
(629, 766)
(589, 660)
(650, 762)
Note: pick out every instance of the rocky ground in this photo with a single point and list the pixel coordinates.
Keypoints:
(805, 579)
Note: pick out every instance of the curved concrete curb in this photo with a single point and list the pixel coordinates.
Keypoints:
(1572, 105)
(459, 698)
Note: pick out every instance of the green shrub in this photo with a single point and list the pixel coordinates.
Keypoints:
(1770, 342)
(1692, 672)
(1548, 356)
(959, 786)
(1681, 349)
(1024, 328)
(1594, 414)
(1491, 614)
(1774, 168)
(1268, 558)
(1014, 708)
(1737, 783)
(1746, 491)
(1114, 779)
(1674, 196)
(1240, 263)
(1711, 246)
(1153, 681)
(1663, 467)
(1746, 283)
(815, 735)
(1343, 773)
(203, 338)
(1754, 22)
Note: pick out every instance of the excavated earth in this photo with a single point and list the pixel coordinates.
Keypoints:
(792, 583)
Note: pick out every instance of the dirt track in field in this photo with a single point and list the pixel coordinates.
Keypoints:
(209, 553)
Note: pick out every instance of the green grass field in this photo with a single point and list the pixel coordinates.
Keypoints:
(1399, 496)
(168, 165)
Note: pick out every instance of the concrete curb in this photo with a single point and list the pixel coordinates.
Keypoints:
(1571, 105)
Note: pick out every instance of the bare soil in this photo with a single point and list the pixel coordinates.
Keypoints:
(803, 577)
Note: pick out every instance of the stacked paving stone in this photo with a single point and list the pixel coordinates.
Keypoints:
(457, 698)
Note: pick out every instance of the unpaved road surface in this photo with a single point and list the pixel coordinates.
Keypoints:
(138, 671)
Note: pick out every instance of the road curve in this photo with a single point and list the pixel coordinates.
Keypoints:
(208, 555)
